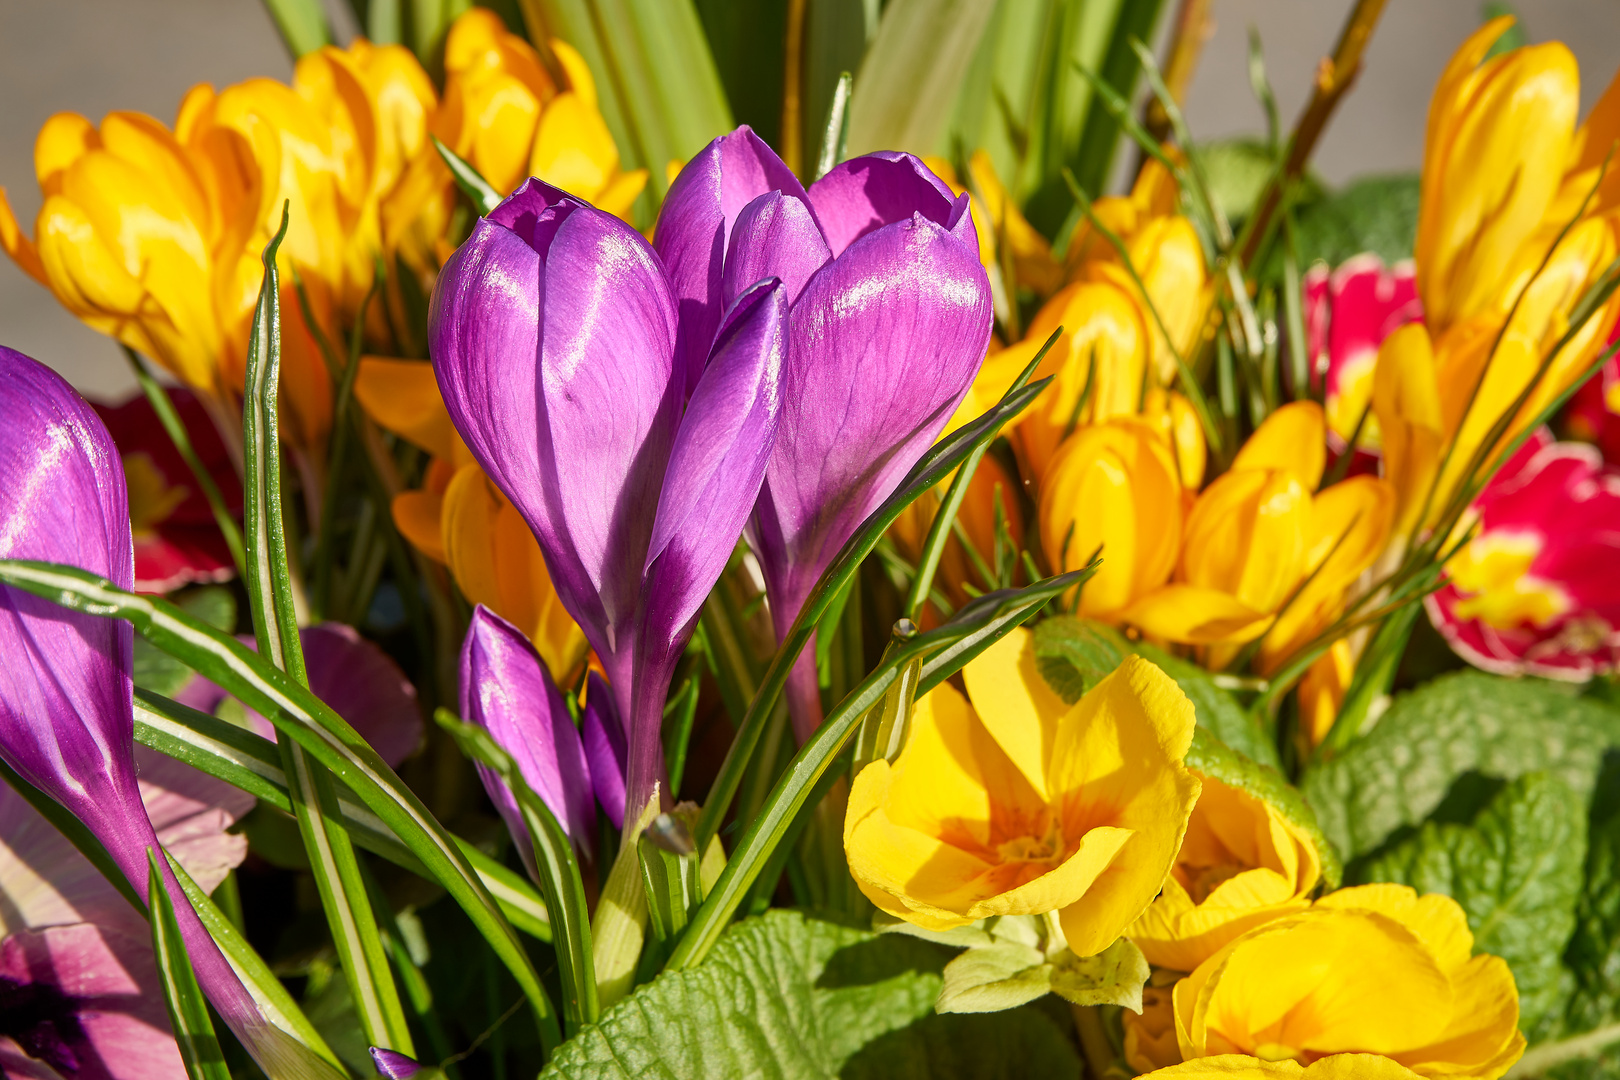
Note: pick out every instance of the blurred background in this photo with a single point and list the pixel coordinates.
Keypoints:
(93, 56)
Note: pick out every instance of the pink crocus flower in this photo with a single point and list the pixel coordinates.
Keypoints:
(1536, 591)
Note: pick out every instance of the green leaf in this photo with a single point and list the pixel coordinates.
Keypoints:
(1114, 976)
(993, 978)
(1401, 770)
(1072, 654)
(1376, 214)
(981, 622)
(1593, 955)
(188, 1009)
(799, 998)
(472, 183)
(302, 24)
(302, 717)
(1517, 872)
(916, 61)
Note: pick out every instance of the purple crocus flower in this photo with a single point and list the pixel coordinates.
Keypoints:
(890, 318)
(392, 1065)
(553, 331)
(602, 730)
(66, 714)
(506, 689)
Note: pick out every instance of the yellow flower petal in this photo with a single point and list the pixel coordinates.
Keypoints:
(403, 397)
(1196, 615)
(1016, 706)
(1293, 439)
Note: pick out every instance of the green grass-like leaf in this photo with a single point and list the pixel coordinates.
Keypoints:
(188, 1009)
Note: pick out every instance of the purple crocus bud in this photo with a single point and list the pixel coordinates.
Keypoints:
(694, 231)
(884, 341)
(506, 689)
(602, 731)
(66, 713)
(392, 1065)
(553, 333)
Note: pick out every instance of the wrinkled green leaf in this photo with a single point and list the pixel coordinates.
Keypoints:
(1517, 872)
(1072, 654)
(994, 978)
(798, 998)
(1376, 214)
(1114, 976)
(1401, 770)
(1593, 955)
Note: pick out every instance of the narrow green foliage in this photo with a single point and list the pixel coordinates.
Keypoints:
(478, 191)
(835, 139)
(188, 1009)
(302, 24)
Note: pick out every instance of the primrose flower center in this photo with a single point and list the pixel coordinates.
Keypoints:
(1046, 849)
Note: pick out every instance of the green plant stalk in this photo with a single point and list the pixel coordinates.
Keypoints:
(1372, 679)
(305, 719)
(252, 763)
(472, 183)
(302, 24)
(188, 1009)
(934, 466)
(835, 139)
(939, 530)
(327, 527)
(1299, 346)
(275, 622)
(1099, 139)
(164, 408)
(815, 758)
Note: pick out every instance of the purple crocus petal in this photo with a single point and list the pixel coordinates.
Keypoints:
(66, 713)
(392, 1065)
(84, 1001)
(605, 748)
(866, 193)
(694, 231)
(574, 425)
(363, 685)
(883, 345)
(506, 689)
(774, 236)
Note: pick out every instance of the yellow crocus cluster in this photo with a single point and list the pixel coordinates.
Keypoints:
(1263, 552)
(153, 234)
(1505, 173)
(460, 519)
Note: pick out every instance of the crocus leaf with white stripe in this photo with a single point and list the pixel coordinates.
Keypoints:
(188, 1009)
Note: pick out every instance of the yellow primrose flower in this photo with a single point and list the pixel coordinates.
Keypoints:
(1020, 804)
(1113, 487)
(460, 519)
(1336, 1067)
(511, 115)
(1498, 141)
(977, 516)
(1261, 553)
(1376, 969)
(1241, 864)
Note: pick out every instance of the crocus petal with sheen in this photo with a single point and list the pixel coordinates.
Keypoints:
(506, 689)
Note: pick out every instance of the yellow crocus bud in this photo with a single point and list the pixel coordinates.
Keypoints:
(997, 807)
(1100, 363)
(1389, 973)
(1322, 691)
(1241, 864)
(1113, 489)
(1168, 257)
(1293, 440)
(1406, 401)
(1499, 137)
(460, 519)
(1033, 264)
(1175, 420)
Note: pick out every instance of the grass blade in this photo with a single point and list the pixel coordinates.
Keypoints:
(188, 1009)
(930, 469)
(483, 197)
(275, 623)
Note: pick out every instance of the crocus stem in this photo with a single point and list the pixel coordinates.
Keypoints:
(804, 694)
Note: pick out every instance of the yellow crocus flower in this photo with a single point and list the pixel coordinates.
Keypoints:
(1322, 691)
(1375, 969)
(1241, 864)
(511, 116)
(1261, 553)
(1498, 141)
(1240, 1067)
(1113, 488)
(1020, 804)
(1168, 257)
(460, 519)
